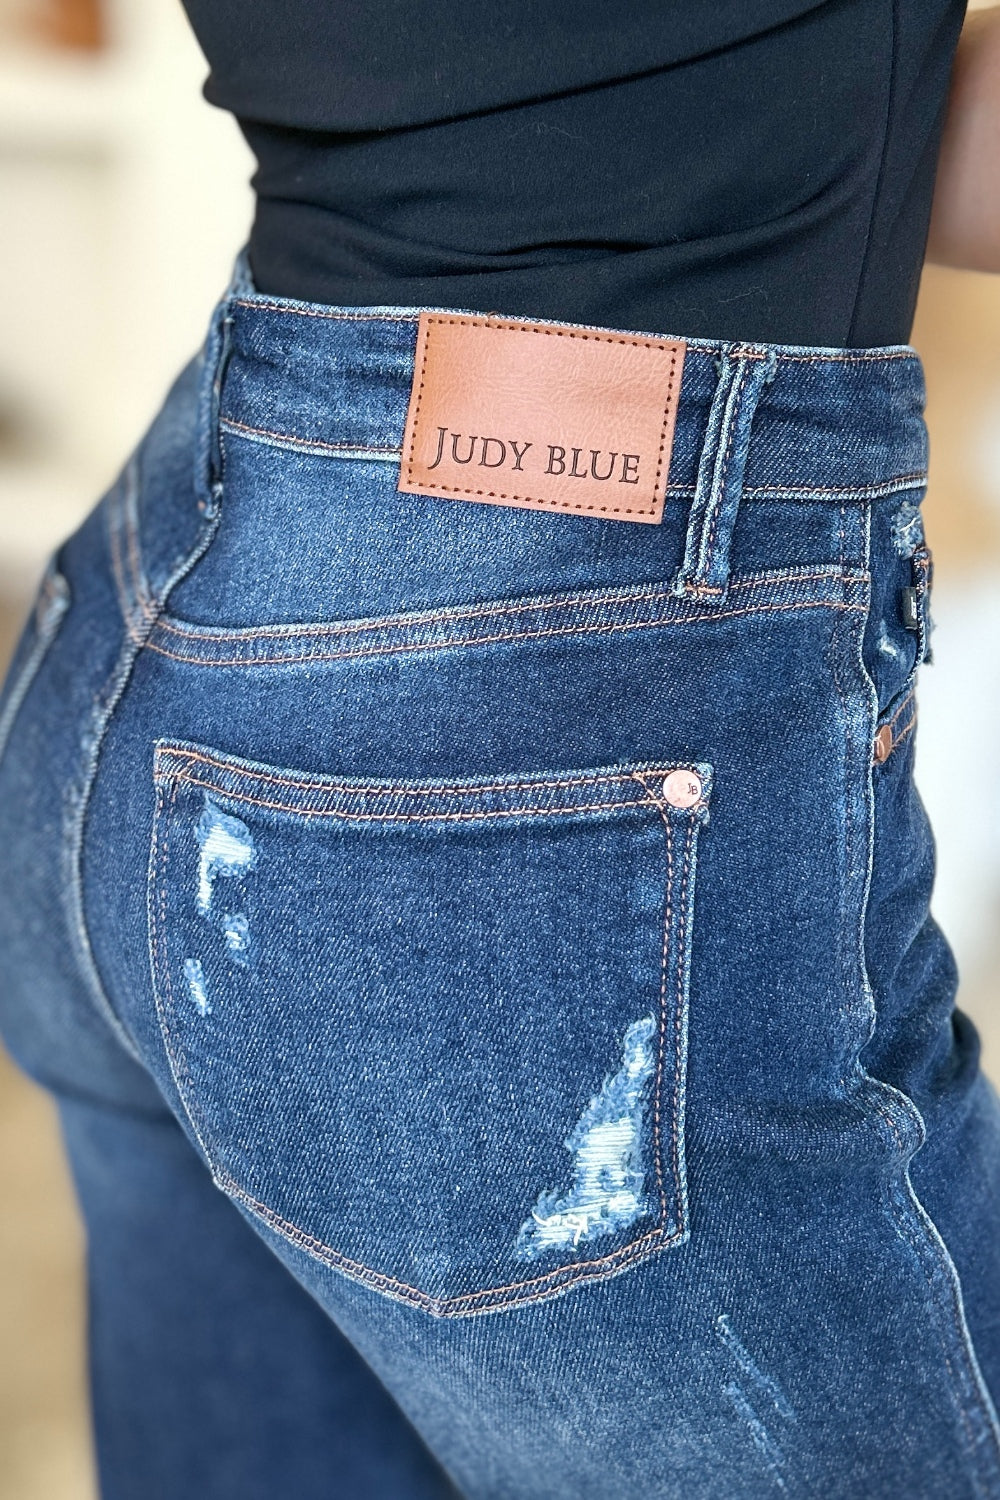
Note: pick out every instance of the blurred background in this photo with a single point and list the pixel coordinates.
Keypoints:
(125, 198)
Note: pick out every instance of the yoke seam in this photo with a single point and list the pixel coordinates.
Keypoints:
(459, 613)
(487, 640)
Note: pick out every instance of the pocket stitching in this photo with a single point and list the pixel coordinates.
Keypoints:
(488, 1299)
(450, 817)
(167, 750)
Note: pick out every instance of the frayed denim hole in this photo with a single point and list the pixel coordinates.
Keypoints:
(225, 848)
(907, 528)
(608, 1189)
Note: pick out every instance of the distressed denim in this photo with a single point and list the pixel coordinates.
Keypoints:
(483, 959)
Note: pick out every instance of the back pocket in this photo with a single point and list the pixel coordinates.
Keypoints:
(434, 1032)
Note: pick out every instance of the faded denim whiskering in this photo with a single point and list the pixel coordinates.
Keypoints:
(450, 1110)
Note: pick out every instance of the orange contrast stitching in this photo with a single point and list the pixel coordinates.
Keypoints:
(562, 1278)
(321, 783)
(705, 350)
(905, 704)
(444, 817)
(457, 613)
(233, 424)
(487, 640)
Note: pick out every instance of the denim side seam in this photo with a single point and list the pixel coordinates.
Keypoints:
(140, 607)
(139, 621)
(676, 937)
(50, 610)
(907, 1128)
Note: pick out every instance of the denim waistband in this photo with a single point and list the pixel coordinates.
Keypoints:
(336, 381)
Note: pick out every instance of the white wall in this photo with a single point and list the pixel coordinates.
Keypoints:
(125, 199)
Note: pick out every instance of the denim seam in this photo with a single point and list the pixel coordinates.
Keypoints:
(899, 700)
(876, 490)
(908, 700)
(459, 613)
(680, 1031)
(488, 640)
(658, 1092)
(901, 1197)
(718, 492)
(231, 423)
(971, 1380)
(718, 426)
(443, 817)
(140, 582)
(490, 1299)
(680, 1010)
(392, 453)
(103, 707)
(125, 602)
(930, 1241)
(905, 732)
(256, 305)
(131, 599)
(167, 753)
(552, 1285)
(48, 615)
(157, 917)
(697, 346)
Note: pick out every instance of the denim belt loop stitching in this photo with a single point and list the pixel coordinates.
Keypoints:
(743, 373)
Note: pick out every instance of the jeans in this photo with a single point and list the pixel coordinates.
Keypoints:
(485, 972)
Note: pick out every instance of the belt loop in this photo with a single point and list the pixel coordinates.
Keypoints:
(744, 370)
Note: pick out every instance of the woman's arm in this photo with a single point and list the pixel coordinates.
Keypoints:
(965, 222)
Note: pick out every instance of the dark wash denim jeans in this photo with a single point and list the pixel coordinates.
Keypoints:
(522, 919)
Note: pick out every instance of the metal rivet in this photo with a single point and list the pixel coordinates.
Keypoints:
(682, 788)
(883, 744)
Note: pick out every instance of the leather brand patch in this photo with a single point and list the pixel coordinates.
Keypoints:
(542, 416)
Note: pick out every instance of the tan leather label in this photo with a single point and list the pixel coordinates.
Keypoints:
(542, 416)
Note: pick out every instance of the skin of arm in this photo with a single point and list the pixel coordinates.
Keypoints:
(965, 221)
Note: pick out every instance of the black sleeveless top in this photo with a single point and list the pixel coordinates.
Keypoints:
(746, 169)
